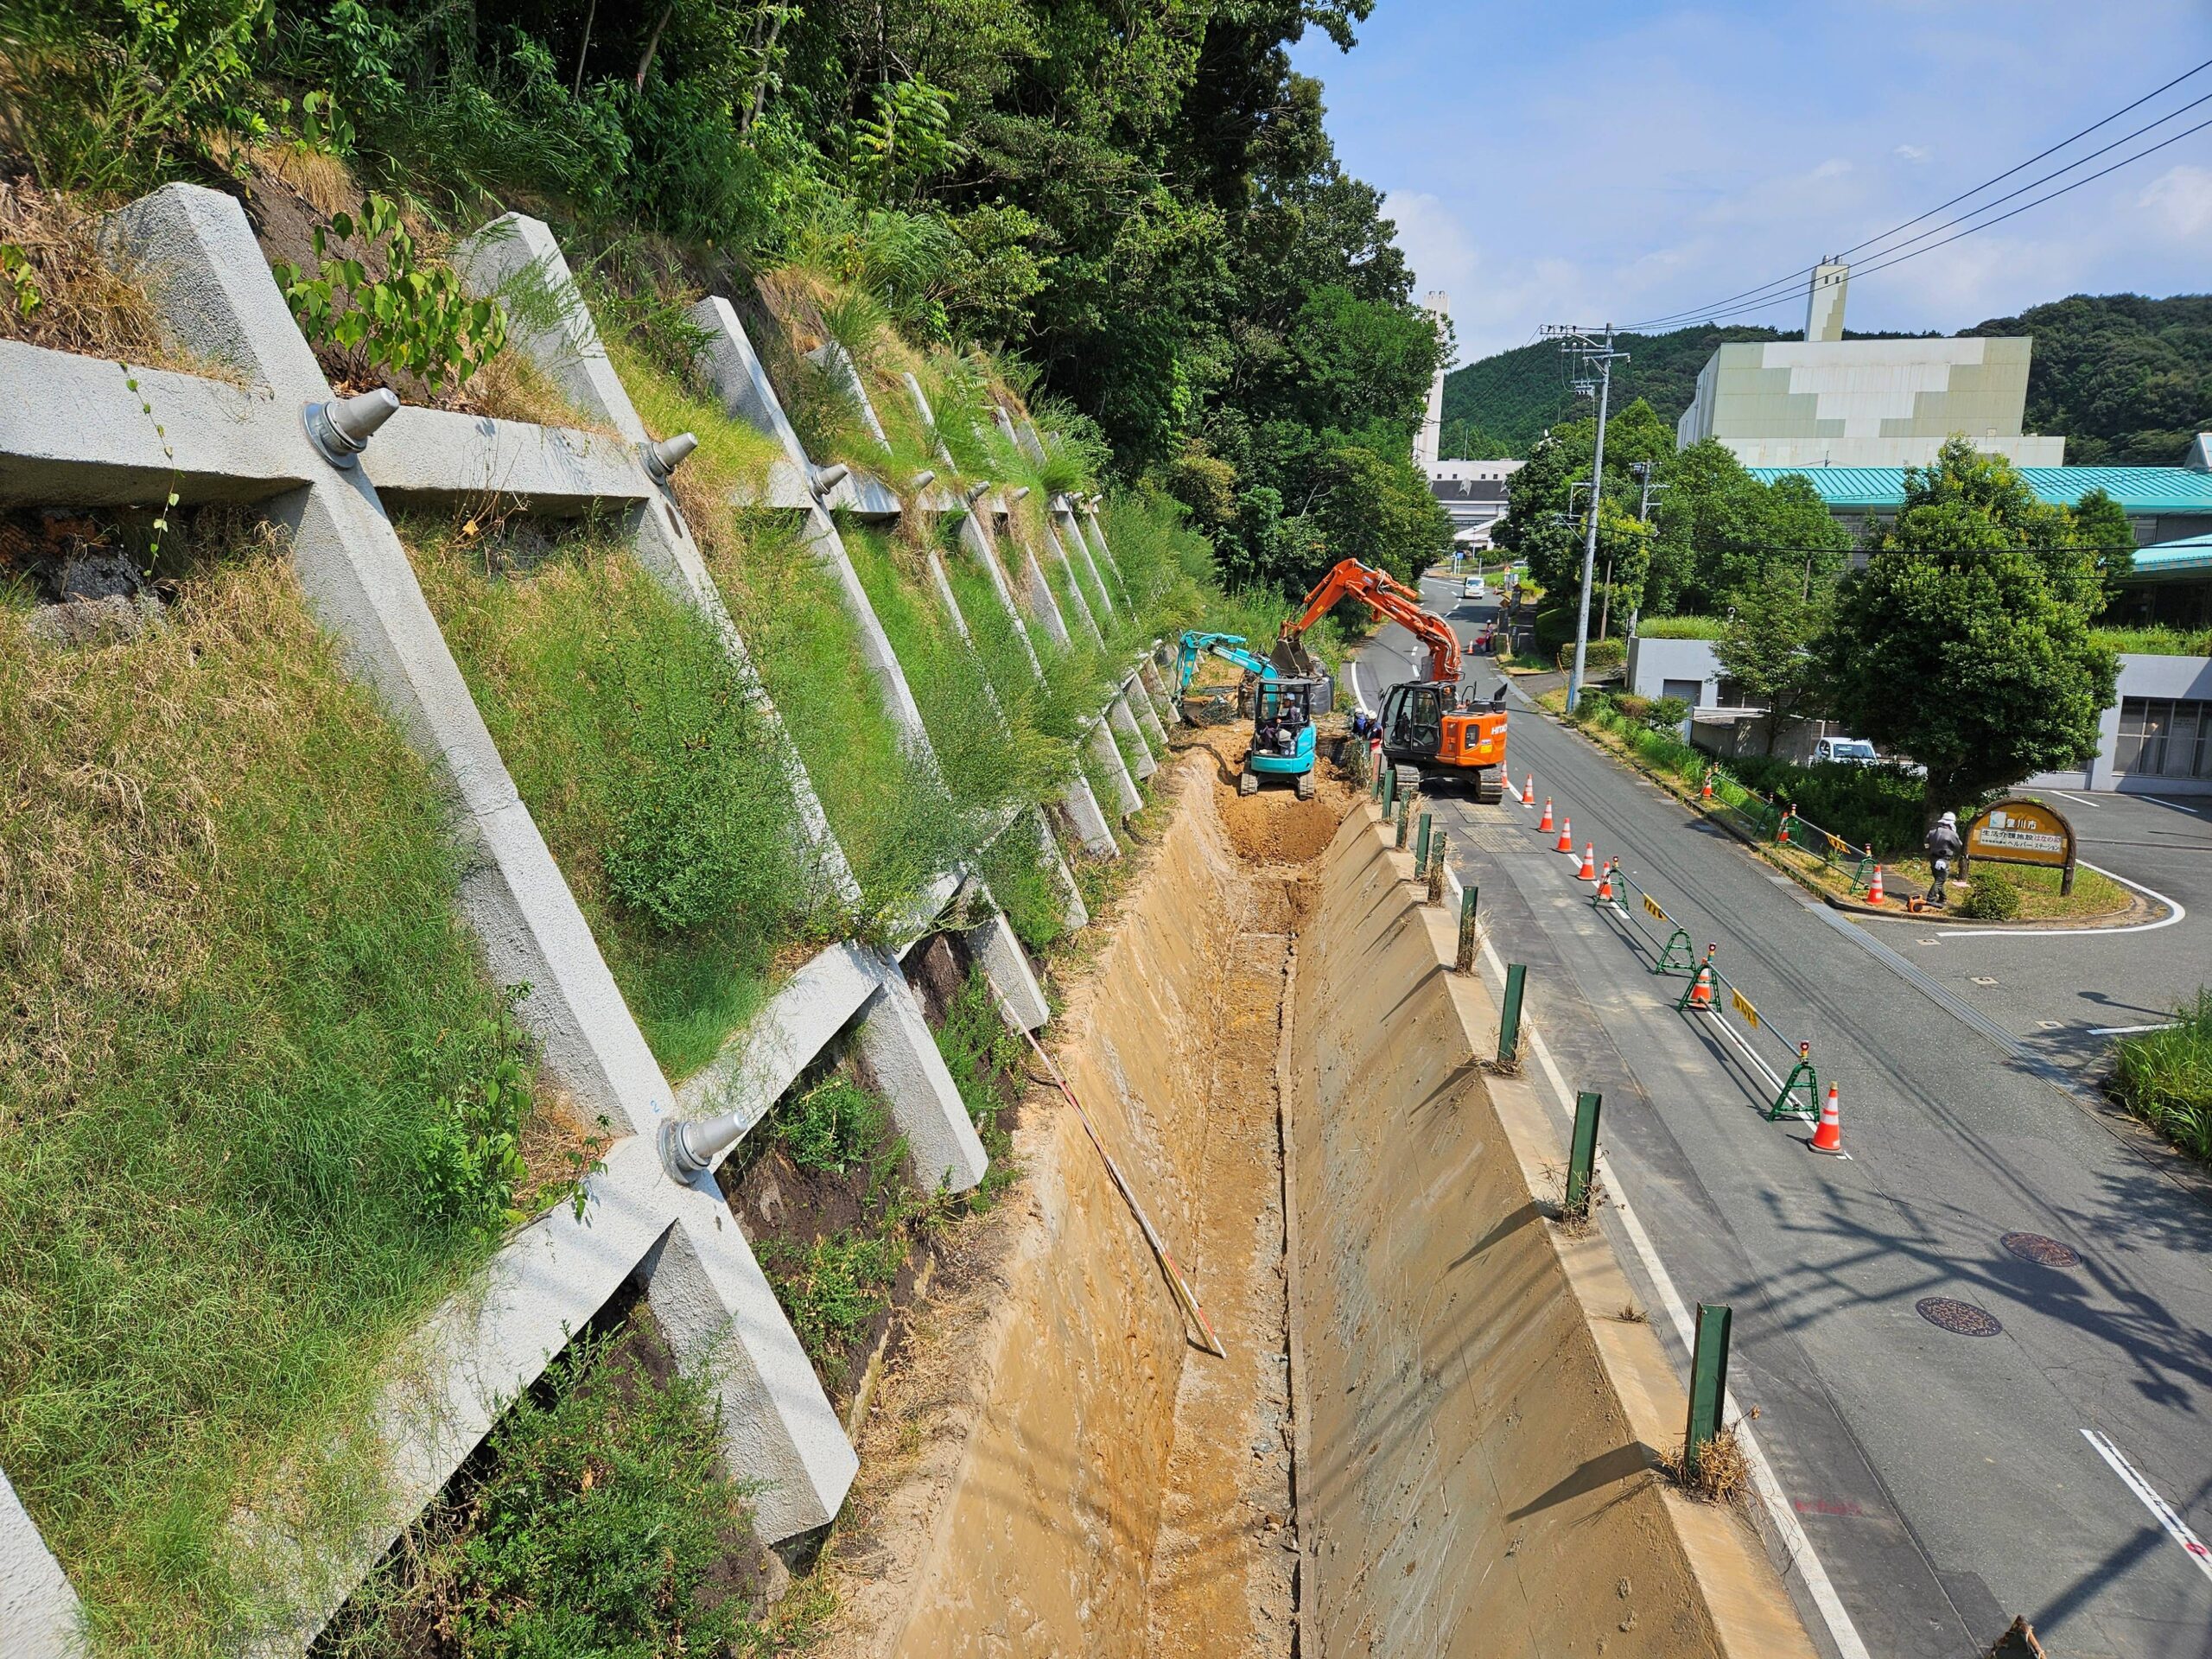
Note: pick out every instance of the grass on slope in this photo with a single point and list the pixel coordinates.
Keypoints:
(247, 1027)
(2165, 1078)
(657, 787)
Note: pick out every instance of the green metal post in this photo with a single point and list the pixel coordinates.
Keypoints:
(1508, 1023)
(1405, 819)
(1468, 900)
(1389, 790)
(1582, 1155)
(1420, 844)
(1708, 1382)
(1436, 869)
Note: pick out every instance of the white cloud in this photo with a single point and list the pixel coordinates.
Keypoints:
(2181, 197)
(1436, 245)
(1917, 155)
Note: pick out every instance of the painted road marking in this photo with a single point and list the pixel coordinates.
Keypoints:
(1796, 1547)
(2083, 799)
(2158, 1507)
(2181, 806)
(2176, 912)
(2129, 1031)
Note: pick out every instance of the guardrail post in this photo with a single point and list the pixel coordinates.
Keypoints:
(1509, 1021)
(1582, 1155)
(1389, 796)
(1436, 868)
(1405, 819)
(1708, 1384)
(1468, 902)
(1421, 845)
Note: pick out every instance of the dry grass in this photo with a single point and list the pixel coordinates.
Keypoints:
(83, 304)
(1723, 1473)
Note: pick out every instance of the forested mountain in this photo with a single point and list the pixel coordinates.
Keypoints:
(2124, 379)
(1137, 206)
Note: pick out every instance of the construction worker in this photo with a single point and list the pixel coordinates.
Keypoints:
(1943, 845)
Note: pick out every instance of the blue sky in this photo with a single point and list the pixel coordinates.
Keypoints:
(1609, 162)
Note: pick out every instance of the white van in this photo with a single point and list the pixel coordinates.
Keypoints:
(1846, 752)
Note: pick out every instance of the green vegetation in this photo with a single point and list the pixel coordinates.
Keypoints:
(987, 1061)
(1991, 897)
(596, 1520)
(2127, 379)
(1965, 641)
(627, 733)
(2155, 641)
(414, 321)
(2165, 1078)
(1681, 628)
(263, 1102)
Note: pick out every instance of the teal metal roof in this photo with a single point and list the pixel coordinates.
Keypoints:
(2190, 556)
(2140, 490)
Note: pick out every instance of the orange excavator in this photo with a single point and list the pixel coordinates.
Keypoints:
(1426, 723)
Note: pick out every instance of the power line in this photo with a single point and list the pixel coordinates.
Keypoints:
(1709, 313)
(2052, 196)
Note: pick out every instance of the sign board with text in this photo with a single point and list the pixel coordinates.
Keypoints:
(2023, 832)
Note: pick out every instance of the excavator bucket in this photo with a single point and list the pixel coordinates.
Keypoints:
(1293, 662)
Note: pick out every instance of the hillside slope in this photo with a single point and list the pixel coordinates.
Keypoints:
(2123, 379)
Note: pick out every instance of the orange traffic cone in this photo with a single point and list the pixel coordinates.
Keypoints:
(1706, 794)
(1544, 824)
(1589, 870)
(1566, 836)
(1529, 790)
(1875, 889)
(1605, 883)
(1701, 986)
(1829, 1136)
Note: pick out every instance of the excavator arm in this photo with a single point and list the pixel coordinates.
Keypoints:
(1390, 599)
(1230, 647)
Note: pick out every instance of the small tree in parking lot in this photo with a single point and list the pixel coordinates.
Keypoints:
(1965, 641)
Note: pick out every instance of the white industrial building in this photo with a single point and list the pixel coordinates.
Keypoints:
(1472, 492)
(1826, 401)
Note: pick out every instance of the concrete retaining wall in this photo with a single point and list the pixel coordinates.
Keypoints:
(1476, 1426)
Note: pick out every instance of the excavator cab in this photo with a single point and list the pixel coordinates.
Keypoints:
(1413, 721)
(1283, 734)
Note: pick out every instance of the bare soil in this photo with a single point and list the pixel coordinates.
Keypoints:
(1011, 1491)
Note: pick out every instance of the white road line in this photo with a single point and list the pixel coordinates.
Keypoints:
(2179, 806)
(2176, 912)
(1790, 1532)
(2083, 799)
(2129, 1031)
(2158, 1507)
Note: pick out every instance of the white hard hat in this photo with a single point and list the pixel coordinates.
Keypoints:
(1951, 818)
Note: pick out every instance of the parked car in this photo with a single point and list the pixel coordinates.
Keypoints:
(1846, 752)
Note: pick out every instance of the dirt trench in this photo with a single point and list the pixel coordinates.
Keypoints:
(1053, 1464)
(1430, 1434)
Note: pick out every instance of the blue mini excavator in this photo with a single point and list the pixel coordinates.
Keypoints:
(1282, 706)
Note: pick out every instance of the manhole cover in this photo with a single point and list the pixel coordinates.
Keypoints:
(2043, 1252)
(1960, 1318)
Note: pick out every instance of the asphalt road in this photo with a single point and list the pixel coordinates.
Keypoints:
(1945, 1480)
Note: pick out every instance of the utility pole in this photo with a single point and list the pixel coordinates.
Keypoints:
(1592, 351)
(1642, 470)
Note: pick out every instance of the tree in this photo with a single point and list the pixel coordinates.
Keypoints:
(2101, 525)
(1770, 644)
(1965, 642)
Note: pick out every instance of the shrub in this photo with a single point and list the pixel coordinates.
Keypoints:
(416, 321)
(1631, 706)
(1879, 806)
(835, 1126)
(602, 1524)
(1667, 713)
(2165, 1077)
(1598, 655)
(1991, 897)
